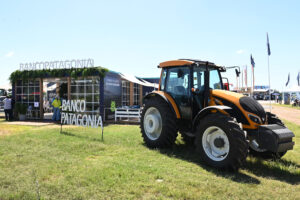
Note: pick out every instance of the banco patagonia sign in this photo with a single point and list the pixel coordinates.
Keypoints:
(66, 64)
(73, 113)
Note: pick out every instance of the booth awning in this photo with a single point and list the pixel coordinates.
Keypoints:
(133, 79)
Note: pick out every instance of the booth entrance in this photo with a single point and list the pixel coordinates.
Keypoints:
(51, 88)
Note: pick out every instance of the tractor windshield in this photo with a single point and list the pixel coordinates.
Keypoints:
(215, 79)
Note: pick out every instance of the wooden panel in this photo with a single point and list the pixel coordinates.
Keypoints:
(141, 95)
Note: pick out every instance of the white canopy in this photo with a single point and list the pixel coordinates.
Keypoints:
(260, 90)
(133, 79)
(294, 88)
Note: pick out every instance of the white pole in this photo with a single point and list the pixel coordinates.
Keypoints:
(269, 84)
(252, 81)
(282, 96)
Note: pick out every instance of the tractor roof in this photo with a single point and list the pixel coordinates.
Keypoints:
(185, 62)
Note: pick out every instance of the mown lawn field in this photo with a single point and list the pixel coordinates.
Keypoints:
(286, 106)
(39, 162)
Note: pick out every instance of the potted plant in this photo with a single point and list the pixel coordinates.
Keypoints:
(21, 110)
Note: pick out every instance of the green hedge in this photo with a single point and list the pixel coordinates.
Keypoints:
(74, 73)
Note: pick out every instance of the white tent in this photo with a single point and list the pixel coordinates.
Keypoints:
(293, 92)
(133, 79)
(294, 88)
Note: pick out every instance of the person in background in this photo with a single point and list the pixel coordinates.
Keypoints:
(7, 108)
(56, 103)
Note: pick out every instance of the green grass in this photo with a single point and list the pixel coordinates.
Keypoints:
(286, 106)
(78, 165)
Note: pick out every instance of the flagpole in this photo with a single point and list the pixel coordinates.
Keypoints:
(252, 81)
(269, 83)
(269, 53)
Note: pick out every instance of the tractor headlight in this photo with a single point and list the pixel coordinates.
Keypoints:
(254, 118)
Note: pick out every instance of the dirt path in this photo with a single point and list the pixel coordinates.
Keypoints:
(290, 114)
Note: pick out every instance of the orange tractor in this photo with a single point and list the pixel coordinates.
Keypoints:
(223, 125)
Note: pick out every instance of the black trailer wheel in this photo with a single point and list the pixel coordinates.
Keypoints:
(220, 142)
(158, 123)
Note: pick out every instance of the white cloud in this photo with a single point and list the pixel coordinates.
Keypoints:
(241, 51)
(9, 54)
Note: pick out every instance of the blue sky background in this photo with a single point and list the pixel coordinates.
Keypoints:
(134, 36)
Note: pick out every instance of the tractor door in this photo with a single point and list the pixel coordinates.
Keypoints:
(178, 86)
(199, 86)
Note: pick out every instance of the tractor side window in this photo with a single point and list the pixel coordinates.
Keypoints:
(178, 81)
(163, 78)
(214, 79)
(198, 78)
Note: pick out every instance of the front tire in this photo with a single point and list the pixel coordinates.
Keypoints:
(220, 142)
(158, 124)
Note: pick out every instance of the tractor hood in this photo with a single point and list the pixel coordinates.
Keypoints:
(232, 97)
(240, 104)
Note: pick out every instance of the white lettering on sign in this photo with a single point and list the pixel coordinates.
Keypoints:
(72, 114)
(67, 64)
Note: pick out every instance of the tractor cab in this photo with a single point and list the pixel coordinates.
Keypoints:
(189, 83)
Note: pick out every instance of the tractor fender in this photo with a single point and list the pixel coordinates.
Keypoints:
(207, 110)
(166, 97)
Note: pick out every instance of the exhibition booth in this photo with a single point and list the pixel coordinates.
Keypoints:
(101, 89)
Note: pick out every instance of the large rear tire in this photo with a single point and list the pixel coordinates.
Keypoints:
(220, 142)
(158, 124)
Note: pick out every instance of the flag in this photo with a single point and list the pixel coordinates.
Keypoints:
(298, 78)
(237, 73)
(268, 45)
(252, 61)
(288, 80)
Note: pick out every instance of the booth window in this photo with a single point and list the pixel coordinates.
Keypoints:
(136, 94)
(87, 89)
(125, 93)
(28, 93)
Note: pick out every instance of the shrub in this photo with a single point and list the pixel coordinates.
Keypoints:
(21, 108)
(73, 72)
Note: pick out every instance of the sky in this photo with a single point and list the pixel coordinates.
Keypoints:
(133, 37)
